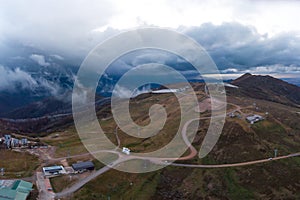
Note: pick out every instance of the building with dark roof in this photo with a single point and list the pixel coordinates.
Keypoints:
(82, 166)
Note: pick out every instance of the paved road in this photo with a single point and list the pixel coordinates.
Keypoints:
(44, 194)
(237, 164)
(82, 182)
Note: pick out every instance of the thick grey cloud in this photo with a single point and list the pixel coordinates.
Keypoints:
(64, 26)
(10, 78)
(55, 32)
(16, 80)
(234, 47)
(42, 43)
(76, 26)
(237, 47)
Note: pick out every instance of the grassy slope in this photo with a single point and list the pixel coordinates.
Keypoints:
(239, 142)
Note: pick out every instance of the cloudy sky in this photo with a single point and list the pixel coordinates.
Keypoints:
(241, 36)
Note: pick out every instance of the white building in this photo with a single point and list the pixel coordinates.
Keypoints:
(126, 150)
(254, 118)
(54, 170)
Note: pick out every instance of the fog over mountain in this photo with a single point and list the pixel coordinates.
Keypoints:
(42, 44)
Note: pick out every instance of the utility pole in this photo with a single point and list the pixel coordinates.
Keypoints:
(68, 153)
(275, 153)
(146, 163)
(205, 89)
(2, 171)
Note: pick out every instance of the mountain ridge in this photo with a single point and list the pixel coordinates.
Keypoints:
(268, 88)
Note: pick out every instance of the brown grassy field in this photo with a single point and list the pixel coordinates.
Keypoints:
(66, 143)
(17, 165)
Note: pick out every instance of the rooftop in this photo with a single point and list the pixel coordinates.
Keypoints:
(23, 186)
(254, 118)
(83, 165)
(14, 190)
(54, 170)
(51, 168)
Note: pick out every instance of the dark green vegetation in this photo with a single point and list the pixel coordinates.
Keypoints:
(118, 185)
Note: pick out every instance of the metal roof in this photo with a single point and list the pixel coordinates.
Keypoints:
(6, 183)
(83, 165)
(52, 168)
(19, 190)
(7, 194)
(22, 186)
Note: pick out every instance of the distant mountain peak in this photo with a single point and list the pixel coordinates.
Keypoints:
(243, 77)
(268, 88)
(260, 79)
(247, 74)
